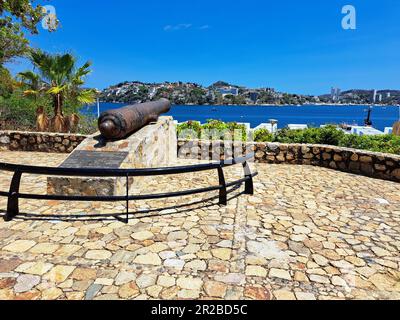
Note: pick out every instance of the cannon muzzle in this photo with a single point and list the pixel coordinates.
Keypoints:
(119, 123)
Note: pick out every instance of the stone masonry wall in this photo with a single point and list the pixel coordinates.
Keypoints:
(39, 141)
(376, 165)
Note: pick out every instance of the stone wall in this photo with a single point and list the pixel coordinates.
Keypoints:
(376, 165)
(39, 141)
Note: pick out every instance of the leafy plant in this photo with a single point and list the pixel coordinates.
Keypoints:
(212, 130)
(189, 130)
(263, 135)
(60, 78)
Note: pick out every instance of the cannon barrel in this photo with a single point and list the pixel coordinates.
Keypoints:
(119, 123)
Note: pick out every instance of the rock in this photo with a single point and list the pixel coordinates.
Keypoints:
(281, 274)
(9, 265)
(45, 248)
(358, 262)
(299, 248)
(154, 291)
(146, 280)
(225, 244)
(301, 277)
(342, 264)
(320, 260)
(256, 271)
(158, 247)
(26, 283)
(197, 265)
(98, 255)
(142, 235)
(82, 274)
(174, 263)
(67, 250)
(166, 281)
(337, 281)
(383, 282)
(189, 283)
(188, 294)
(92, 291)
(319, 279)
(124, 277)
(191, 248)
(169, 293)
(215, 289)
(104, 281)
(301, 230)
(51, 294)
(232, 278)
(129, 290)
(7, 283)
(107, 297)
(268, 250)
(222, 253)
(39, 268)
(284, 295)
(177, 235)
(75, 296)
(257, 293)
(380, 252)
(148, 259)
(59, 273)
(305, 296)
(19, 246)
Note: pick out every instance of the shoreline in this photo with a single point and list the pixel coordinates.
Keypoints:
(274, 105)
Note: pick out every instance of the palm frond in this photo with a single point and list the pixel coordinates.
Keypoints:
(86, 96)
(56, 89)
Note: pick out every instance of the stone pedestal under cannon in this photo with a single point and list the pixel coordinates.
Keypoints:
(153, 145)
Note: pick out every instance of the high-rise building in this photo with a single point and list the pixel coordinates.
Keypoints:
(335, 94)
(374, 96)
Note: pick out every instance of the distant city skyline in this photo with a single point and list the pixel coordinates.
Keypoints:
(291, 46)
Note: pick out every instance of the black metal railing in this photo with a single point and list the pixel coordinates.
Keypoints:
(14, 193)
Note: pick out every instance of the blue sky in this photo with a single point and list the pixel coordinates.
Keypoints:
(293, 46)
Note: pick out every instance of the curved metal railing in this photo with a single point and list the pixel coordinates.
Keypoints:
(14, 194)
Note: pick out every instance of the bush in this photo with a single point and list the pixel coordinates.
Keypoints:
(263, 135)
(330, 135)
(382, 143)
(18, 112)
(212, 130)
(189, 130)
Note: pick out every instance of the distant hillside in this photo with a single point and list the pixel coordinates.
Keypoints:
(222, 92)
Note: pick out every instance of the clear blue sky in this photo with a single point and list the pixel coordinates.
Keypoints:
(293, 46)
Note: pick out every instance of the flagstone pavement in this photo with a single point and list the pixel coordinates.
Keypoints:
(307, 233)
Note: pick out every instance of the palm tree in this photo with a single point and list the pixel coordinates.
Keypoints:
(58, 77)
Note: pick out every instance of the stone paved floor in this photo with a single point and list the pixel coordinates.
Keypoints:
(307, 233)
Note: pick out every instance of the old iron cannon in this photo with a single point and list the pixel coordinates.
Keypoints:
(119, 123)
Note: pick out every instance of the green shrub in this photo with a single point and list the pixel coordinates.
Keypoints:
(189, 130)
(263, 135)
(382, 143)
(212, 130)
(330, 135)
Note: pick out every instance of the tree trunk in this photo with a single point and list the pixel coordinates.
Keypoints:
(58, 104)
(58, 121)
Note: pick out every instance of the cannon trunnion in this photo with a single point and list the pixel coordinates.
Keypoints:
(119, 123)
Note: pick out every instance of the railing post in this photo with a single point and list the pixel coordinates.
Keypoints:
(127, 198)
(13, 197)
(249, 186)
(223, 193)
